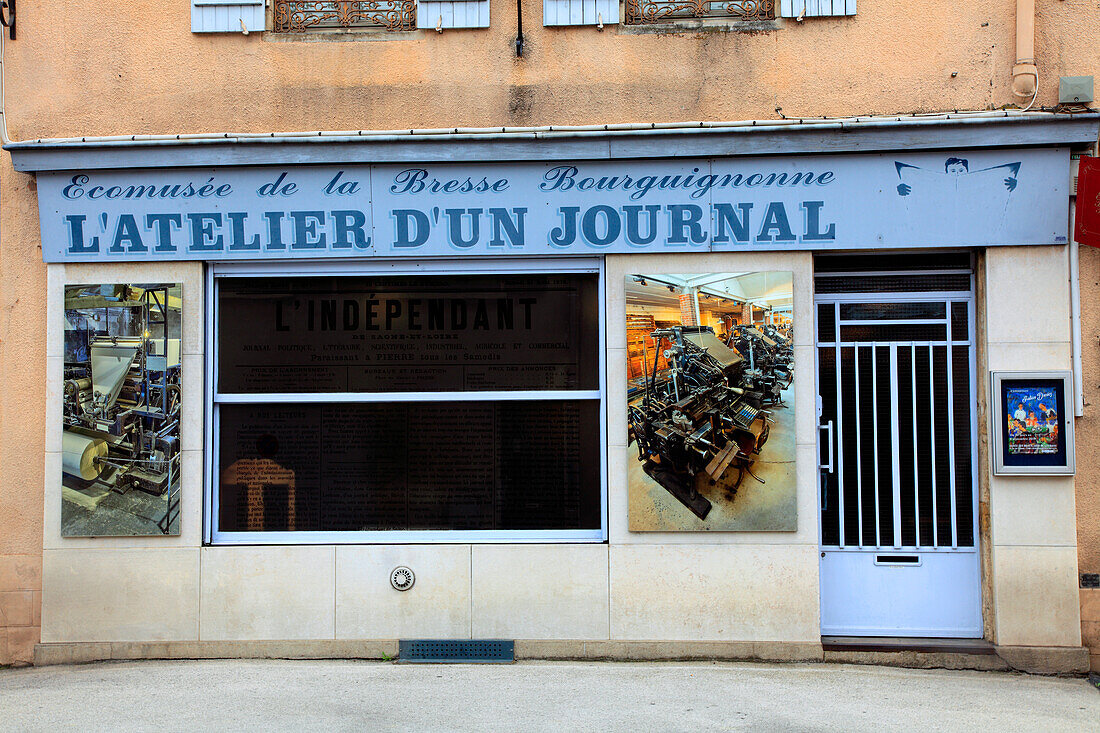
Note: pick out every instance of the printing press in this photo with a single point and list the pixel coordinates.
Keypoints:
(770, 357)
(121, 407)
(697, 425)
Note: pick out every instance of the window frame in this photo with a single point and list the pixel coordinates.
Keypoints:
(217, 272)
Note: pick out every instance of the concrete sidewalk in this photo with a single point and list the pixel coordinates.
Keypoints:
(563, 696)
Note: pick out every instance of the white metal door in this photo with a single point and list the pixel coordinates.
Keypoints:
(896, 387)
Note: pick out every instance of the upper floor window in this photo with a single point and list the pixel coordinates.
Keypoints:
(292, 16)
(640, 12)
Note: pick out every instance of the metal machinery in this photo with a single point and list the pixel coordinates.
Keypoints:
(779, 334)
(121, 407)
(697, 424)
(770, 356)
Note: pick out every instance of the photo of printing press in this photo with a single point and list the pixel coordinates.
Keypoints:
(121, 410)
(710, 369)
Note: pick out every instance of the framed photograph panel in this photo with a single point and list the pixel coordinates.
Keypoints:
(1032, 427)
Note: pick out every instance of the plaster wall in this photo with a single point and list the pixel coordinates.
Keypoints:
(1088, 460)
(135, 67)
(111, 67)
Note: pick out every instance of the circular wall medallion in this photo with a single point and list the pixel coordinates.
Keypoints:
(402, 578)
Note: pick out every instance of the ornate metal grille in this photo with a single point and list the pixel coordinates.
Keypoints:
(641, 12)
(295, 16)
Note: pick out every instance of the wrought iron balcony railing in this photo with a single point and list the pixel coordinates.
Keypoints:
(295, 16)
(642, 12)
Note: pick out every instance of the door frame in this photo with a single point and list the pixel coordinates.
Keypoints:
(835, 455)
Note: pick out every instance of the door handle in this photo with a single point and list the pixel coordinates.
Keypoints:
(829, 427)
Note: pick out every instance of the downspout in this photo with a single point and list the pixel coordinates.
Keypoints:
(1025, 74)
(1075, 315)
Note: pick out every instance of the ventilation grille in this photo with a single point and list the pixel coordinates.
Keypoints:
(456, 651)
(892, 273)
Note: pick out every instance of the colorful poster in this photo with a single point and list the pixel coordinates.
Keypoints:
(1032, 420)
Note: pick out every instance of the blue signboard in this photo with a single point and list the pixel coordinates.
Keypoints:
(980, 198)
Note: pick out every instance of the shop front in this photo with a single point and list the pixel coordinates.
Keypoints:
(618, 393)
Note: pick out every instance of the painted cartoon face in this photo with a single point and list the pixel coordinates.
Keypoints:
(957, 168)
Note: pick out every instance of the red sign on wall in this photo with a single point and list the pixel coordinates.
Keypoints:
(1087, 221)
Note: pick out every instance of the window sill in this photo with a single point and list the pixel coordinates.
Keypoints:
(344, 35)
(701, 25)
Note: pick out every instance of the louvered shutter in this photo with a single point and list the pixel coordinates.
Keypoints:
(580, 12)
(816, 8)
(457, 14)
(227, 16)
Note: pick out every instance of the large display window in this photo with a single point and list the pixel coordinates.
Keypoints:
(427, 402)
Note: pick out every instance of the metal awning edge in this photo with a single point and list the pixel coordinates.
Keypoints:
(771, 137)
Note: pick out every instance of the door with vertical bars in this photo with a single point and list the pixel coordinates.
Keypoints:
(897, 444)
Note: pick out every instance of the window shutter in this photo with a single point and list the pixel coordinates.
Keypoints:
(432, 14)
(580, 12)
(227, 16)
(816, 8)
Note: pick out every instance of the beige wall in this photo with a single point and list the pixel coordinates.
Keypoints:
(1033, 542)
(756, 587)
(111, 67)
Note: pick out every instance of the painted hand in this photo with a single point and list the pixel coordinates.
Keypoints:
(1010, 184)
(904, 189)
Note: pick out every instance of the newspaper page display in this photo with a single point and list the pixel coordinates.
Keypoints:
(407, 334)
(339, 462)
(399, 466)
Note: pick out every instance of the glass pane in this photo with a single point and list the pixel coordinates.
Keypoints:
(964, 480)
(830, 501)
(849, 450)
(826, 322)
(867, 428)
(909, 283)
(959, 322)
(895, 332)
(863, 262)
(940, 398)
(408, 334)
(905, 447)
(929, 422)
(885, 452)
(892, 311)
(410, 466)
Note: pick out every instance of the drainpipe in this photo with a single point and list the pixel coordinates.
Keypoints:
(1025, 74)
(1075, 315)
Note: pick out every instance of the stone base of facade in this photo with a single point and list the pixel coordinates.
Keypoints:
(1090, 624)
(20, 608)
(1035, 660)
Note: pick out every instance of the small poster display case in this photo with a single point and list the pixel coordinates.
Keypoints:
(1032, 428)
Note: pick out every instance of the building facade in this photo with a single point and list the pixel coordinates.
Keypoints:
(528, 341)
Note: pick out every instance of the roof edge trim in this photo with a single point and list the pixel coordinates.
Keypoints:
(633, 141)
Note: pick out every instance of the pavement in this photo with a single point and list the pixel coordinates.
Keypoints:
(299, 695)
